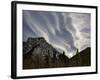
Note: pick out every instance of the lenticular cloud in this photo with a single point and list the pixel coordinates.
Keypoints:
(64, 30)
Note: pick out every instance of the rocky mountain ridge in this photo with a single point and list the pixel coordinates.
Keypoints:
(37, 53)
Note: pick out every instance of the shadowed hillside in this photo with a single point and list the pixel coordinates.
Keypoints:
(82, 58)
(37, 53)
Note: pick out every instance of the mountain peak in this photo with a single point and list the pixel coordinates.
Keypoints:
(37, 53)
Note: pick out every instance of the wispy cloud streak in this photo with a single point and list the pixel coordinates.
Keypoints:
(65, 31)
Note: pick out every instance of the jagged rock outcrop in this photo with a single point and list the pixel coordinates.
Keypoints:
(37, 53)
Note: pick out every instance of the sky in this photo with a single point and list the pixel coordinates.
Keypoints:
(65, 31)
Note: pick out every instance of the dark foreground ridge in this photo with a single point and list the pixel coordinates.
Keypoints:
(37, 53)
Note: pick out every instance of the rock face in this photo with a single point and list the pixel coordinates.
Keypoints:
(81, 59)
(37, 53)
